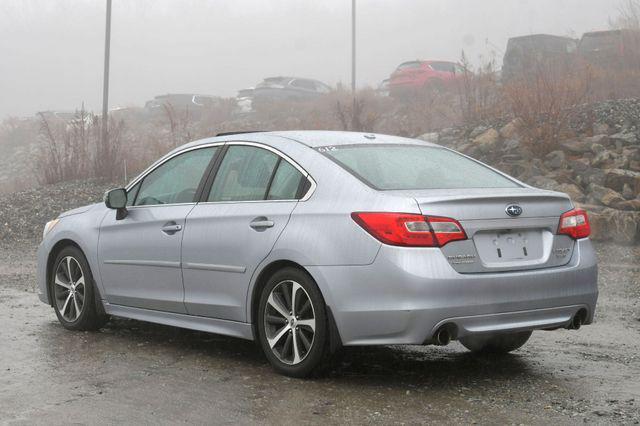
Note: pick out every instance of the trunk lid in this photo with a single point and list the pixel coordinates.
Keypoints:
(499, 241)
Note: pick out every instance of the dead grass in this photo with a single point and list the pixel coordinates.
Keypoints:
(71, 150)
(544, 101)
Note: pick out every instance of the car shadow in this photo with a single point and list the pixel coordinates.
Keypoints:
(377, 365)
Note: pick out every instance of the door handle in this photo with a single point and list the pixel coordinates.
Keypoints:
(261, 223)
(171, 228)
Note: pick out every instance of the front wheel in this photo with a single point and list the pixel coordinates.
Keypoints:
(292, 323)
(73, 292)
(496, 343)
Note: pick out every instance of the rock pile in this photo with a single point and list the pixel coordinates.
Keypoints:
(600, 172)
(23, 214)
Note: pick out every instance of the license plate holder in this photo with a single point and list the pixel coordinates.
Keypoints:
(507, 245)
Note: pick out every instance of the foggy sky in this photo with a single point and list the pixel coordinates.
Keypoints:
(51, 51)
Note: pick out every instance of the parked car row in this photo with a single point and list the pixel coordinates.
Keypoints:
(603, 49)
(616, 49)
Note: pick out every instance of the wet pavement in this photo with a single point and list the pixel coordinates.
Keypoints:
(135, 372)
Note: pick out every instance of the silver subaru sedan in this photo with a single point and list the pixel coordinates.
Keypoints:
(309, 241)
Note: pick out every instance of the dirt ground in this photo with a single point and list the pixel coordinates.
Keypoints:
(135, 372)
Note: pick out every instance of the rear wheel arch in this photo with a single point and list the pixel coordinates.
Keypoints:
(261, 281)
(335, 341)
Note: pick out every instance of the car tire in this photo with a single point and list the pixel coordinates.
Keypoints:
(497, 343)
(294, 340)
(73, 293)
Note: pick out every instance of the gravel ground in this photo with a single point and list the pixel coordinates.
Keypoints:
(137, 372)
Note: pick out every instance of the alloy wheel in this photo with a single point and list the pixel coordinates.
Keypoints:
(289, 322)
(69, 288)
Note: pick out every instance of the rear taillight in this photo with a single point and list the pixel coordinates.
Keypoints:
(575, 224)
(410, 230)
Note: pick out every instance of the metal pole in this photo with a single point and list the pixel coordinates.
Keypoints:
(353, 46)
(105, 83)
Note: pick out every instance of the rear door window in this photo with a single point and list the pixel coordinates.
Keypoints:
(304, 84)
(285, 183)
(443, 67)
(244, 174)
(409, 65)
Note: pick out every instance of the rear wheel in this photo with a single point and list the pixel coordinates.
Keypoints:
(496, 343)
(73, 292)
(292, 323)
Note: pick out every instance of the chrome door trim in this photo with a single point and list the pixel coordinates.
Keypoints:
(159, 205)
(212, 267)
(156, 263)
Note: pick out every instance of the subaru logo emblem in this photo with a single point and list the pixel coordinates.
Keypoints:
(513, 210)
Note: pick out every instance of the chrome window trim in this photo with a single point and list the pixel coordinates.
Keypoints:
(285, 157)
(305, 174)
(161, 161)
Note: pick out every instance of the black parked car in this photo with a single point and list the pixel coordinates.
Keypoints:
(537, 53)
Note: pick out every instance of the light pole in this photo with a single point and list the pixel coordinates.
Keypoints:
(353, 46)
(105, 83)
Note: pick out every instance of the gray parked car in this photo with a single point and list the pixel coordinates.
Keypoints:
(289, 88)
(306, 241)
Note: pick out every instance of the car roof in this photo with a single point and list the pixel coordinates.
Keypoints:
(314, 138)
(317, 138)
(541, 37)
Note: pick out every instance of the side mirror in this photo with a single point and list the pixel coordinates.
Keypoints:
(117, 199)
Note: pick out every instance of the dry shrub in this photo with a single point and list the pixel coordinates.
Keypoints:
(357, 114)
(479, 93)
(70, 150)
(628, 15)
(544, 100)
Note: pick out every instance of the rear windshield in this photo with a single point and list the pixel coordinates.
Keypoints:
(388, 167)
(597, 41)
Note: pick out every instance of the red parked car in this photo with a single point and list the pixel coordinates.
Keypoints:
(414, 75)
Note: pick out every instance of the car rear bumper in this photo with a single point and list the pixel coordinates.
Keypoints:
(406, 294)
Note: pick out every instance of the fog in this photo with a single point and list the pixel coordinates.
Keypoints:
(51, 52)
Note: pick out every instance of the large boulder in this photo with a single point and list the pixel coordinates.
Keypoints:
(589, 175)
(624, 138)
(432, 137)
(633, 205)
(556, 159)
(487, 142)
(603, 159)
(616, 179)
(604, 196)
(614, 225)
(576, 147)
(571, 190)
(477, 131)
(599, 139)
(512, 129)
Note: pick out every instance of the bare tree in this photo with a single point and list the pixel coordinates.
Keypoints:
(628, 15)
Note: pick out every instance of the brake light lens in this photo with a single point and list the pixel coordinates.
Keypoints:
(575, 223)
(410, 230)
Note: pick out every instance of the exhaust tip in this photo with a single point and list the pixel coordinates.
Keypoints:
(578, 319)
(443, 336)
